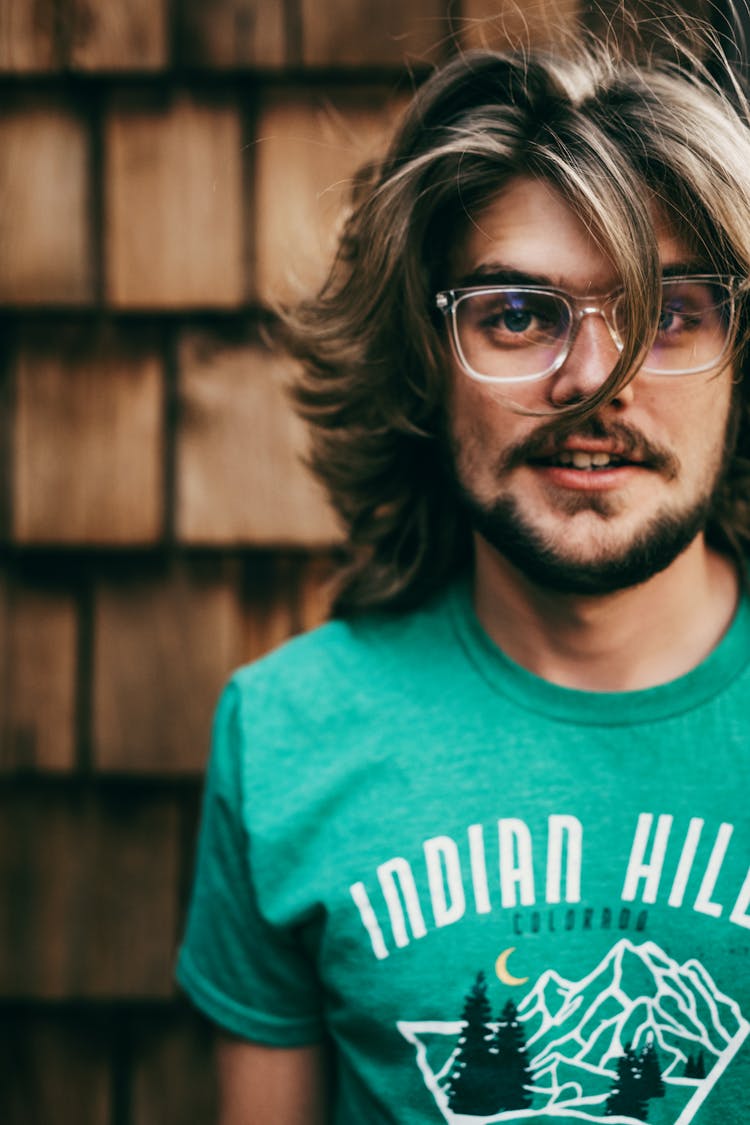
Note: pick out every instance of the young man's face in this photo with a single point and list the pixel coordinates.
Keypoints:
(582, 529)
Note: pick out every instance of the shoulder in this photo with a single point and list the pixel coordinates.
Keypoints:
(342, 670)
(321, 704)
(347, 654)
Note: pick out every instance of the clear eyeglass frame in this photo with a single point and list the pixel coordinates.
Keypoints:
(448, 302)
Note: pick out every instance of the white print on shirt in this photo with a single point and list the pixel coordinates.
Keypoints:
(455, 886)
(639, 1033)
(651, 871)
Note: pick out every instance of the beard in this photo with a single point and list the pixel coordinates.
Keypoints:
(547, 565)
(552, 564)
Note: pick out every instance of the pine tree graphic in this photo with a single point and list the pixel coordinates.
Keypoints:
(513, 1074)
(490, 1072)
(626, 1097)
(695, 1067)
(472, 1082)
(638, 1081)
(651, 1080)
(548, 1053)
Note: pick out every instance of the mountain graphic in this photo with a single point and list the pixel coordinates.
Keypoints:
(637, 1000)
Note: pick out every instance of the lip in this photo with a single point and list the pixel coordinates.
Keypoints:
(570, 475)
(588, 480)
(591, 445)
(573, 445)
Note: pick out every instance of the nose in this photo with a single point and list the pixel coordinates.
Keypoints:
(590, 361)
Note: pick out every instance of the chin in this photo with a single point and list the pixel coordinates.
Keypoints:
(552, 565)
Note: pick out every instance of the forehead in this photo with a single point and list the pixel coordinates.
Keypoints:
(529, 228)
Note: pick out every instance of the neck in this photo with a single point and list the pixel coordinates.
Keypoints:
(624, 641)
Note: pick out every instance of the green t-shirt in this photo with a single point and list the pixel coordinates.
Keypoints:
(500, 899)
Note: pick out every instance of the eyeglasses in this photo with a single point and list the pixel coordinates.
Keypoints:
(516, 334)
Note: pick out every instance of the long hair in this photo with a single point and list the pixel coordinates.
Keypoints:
(611, 134)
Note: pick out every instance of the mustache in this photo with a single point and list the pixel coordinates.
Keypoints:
(548, 440)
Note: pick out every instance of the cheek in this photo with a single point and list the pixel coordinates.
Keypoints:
(482, 433)
(477, 426)
(703, 432)
(713, 419)
(479, 413)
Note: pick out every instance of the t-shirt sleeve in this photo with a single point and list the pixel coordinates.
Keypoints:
(246, 975)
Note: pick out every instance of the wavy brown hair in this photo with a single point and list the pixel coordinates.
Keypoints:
(610, 134)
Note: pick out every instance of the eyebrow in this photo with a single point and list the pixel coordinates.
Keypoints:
(494, 273)
(690, 268)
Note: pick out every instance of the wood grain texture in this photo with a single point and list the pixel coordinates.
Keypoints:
(309, 145)
(27, 36)
(373, 32)
(88, 437)
(284, 594)
(240, 477)
(163, 646)
(173, 1074)
(117, 35)
(44, 206)
(91, 903)
(503, 24)
(232, 33)
(174, 232)
(315, 587)
(55, 1067)
(38, 653)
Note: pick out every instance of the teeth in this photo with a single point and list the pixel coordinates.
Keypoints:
(580, 459)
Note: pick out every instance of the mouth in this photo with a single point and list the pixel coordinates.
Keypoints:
(604, 456)
(585, 461)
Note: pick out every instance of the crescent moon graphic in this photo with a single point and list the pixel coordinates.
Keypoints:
(501, 968)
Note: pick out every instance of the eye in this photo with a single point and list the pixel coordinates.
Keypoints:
(514, 317)
(678, 317)
(517, 320)
(666, 319)
(695, 320)
(690, 306)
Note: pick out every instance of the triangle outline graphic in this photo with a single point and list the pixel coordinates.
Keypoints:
(668, 974)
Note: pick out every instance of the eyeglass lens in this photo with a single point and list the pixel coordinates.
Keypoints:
(511, 334)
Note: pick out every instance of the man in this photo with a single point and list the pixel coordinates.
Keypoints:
(478, 850)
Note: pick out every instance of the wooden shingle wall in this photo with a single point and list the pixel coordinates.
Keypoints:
(167, 170)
